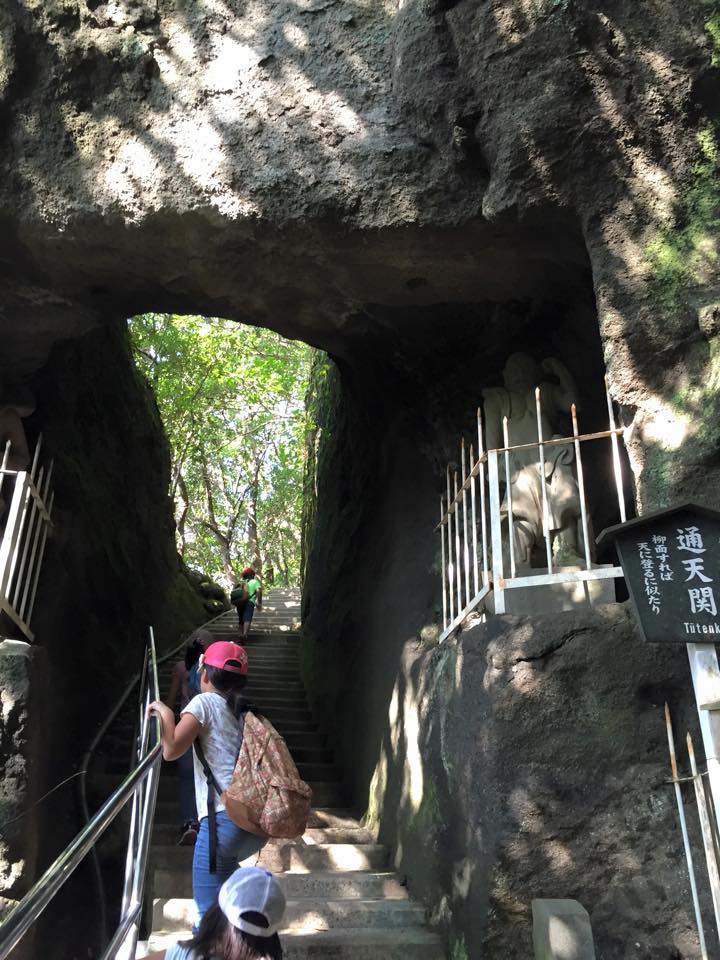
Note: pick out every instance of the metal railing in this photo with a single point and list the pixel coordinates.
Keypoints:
(23, 539)
(140, 785)
(477, 523)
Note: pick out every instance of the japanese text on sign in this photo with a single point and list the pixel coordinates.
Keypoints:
(647, 564)
(701, 598)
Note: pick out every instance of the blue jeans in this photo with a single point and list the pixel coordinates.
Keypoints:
(233, 844)
(186, 776)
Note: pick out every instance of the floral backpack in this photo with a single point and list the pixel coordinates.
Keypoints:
(266, 795)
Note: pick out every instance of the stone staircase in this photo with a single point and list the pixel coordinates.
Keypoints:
(343, 902)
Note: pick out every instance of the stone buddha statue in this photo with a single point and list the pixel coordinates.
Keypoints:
(516, 401)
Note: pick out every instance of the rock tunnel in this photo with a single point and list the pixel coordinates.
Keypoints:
(418, 189)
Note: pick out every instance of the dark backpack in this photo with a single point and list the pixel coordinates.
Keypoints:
(239, 594)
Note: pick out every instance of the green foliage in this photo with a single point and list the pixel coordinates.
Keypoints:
(684, 255)
(459, 950)
(231, 400)
(712, 28)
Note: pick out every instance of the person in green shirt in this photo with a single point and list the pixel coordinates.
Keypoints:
(246, 596)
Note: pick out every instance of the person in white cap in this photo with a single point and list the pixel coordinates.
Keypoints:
(242, 926)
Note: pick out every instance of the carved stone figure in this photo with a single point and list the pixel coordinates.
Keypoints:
(516, 401)
(15, 403)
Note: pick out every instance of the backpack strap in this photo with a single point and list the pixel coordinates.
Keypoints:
(212, 786)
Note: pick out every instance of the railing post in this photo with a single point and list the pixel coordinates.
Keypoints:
(466, 546)
(458, 579)
(508, 496)
(496, 532)
(473, 514)
(451, 565)
(543, 486)
(483, 512)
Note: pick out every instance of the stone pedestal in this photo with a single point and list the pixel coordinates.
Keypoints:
(556, 597)
(562, 931)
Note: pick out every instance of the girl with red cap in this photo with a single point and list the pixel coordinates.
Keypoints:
(212, 723)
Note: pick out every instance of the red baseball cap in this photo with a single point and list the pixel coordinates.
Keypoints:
(226, 656)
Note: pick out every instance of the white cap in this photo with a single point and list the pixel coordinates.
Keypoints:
(252, 890)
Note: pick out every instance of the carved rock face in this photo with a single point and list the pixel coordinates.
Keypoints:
(289, 165)
(418, 187)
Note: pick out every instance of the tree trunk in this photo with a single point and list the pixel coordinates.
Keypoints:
(184, 499)
(212, 525)
(253, 542)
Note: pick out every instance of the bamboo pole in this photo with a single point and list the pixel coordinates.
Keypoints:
(707, 834)
(686, 839)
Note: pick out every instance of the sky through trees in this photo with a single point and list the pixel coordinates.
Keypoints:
(231, 398)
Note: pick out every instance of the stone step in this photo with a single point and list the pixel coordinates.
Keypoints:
(334, 818)
(327, 794)
(287, 713)
(313, 765)
(306, 915)
(267, 701)
(289, 727)
(298, 740)
(288, 856)
(350, 944)
(172, 875)
(362, 944)
(264, 666)
(331, 885)
(257, 688)
(168, 810)
(273, 673)
(168, 835)
(268, 651)
(319, 775)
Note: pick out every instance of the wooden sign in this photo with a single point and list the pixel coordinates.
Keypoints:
(671, 563)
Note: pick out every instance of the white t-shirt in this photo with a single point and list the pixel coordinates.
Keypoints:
(220, 738)
(180, 952)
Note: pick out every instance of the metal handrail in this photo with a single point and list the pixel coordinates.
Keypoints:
(89, 754)
(145, 775)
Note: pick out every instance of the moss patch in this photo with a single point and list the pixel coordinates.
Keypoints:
(428, 814)
(320, 413)
(685, 255)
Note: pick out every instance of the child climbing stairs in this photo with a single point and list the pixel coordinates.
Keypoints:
(343, 902)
